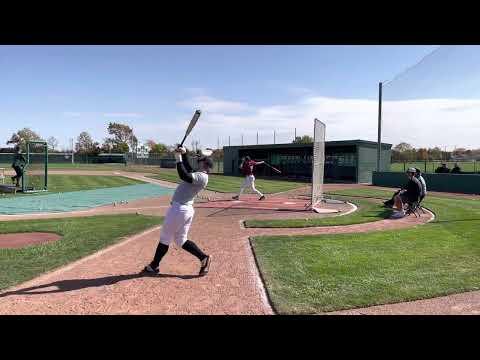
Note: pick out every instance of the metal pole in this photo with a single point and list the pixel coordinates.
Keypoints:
(229, 141)
(218, 148)
(379, 145)
(273, 136)
(257, 137)
(73, 152)
(295, 138)
(46, 167)
(242, 139)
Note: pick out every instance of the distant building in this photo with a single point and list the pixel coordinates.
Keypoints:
(345, 161)
(142, 151)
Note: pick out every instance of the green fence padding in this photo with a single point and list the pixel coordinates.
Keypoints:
(457, 183)
(79, 200)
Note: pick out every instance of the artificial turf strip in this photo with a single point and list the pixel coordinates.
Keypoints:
(367, 211)
(314, 274)
(80, 237)
(231, 184)
(67, 183)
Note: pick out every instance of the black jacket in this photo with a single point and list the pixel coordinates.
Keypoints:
(185, 170)
(414, 188)
(19, 160)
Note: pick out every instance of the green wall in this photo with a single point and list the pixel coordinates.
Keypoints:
(459, 183)
(367, 162)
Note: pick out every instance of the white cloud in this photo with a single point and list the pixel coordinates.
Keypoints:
(423, 122)
(214, 105)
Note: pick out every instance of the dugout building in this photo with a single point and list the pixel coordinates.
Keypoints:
(350, 161)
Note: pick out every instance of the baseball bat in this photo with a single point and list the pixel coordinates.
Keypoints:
(273, 168)
(194, 120)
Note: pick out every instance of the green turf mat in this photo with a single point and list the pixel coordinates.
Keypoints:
(79, 200)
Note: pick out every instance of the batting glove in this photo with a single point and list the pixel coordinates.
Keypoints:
(181, 150)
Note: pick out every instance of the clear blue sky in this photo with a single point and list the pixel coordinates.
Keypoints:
(62, 90)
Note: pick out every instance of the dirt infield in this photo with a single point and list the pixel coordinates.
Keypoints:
(109, 281)
(20, 240)
(270, 203)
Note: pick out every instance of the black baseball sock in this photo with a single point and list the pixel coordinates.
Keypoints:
(159, 253)
(193, 249)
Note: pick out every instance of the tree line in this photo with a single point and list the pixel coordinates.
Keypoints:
(406, 152)
(122, 140)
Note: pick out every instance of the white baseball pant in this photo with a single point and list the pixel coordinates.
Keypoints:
(176, 224)
(249, 182)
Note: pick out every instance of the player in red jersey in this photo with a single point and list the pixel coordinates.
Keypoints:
(247, 167)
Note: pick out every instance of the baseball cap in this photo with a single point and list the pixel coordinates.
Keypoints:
(411, 170)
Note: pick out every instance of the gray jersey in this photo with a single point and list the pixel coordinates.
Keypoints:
(424, 185)
(186, 192)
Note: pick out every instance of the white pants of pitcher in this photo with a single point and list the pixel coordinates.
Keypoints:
(249, 183)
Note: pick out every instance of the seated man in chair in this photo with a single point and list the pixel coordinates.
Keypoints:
(411, 194)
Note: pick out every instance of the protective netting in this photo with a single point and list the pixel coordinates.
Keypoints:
(35, 176)
(432, 109)
(79, 200)
(260, 137)
(318, 161)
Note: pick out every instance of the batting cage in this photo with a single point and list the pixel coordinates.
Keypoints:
(35, 176)
(430, 111)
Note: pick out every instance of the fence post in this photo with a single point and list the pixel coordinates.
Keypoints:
(425, 165)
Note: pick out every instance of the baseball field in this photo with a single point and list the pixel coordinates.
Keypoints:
(354, 260)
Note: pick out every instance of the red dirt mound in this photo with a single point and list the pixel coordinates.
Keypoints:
(19, 240)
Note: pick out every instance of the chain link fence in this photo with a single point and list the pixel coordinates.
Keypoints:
(430, 166)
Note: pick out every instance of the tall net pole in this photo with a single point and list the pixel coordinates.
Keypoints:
(379, 145)
(318, 162)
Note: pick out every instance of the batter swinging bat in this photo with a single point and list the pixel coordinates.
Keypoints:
(191, 125)
(271, 167)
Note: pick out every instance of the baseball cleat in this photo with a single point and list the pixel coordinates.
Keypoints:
(235, 197)
(397, 215)
(150, 270)
(205, 266)
(262, 197)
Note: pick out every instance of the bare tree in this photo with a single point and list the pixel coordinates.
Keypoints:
(52, 142)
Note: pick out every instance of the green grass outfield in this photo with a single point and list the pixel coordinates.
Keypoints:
(469, 166)
(81, 237)
(69, 166)
(105, 167)
(66, 183)
(231, 184)
(314, 274)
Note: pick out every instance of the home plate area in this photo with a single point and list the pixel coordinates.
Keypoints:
(270, 203)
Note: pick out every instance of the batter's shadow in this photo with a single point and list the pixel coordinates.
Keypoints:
(78, 284)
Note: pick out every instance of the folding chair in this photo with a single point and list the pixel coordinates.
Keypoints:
(415, 207)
